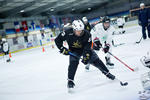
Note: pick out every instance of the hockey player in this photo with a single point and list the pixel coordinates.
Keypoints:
(146, 60)
(79, 41)
(87, 27)
(42, 33)
(5, 49)
(144, 20)
(120, 23)
(145, 80)
(102, 35)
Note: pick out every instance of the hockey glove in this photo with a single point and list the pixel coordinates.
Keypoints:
(64, 51)
(97, 44)
(86, 58)
(106, 48)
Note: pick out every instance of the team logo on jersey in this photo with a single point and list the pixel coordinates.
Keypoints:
(77, 44)
(104, 38)
(87, 28)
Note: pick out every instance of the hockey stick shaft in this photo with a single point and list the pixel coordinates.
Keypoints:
(72, 54)
(122, 62)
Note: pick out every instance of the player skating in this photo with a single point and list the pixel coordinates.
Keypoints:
(5, 49)
(102, 35)
(79, 41)
(121, 23)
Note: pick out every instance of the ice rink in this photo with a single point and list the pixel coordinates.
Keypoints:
(37, 75)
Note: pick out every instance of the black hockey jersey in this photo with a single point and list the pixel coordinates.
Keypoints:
(76, 44)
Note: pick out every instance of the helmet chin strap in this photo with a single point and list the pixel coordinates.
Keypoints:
(105, 28)
(81, 34)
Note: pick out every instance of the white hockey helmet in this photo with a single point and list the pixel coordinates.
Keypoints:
(67, 25)
(84, 19)
(78, 25)
(3, 39)
(142, 4)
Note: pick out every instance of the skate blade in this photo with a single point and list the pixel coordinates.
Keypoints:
(70, 90)
(87, 70)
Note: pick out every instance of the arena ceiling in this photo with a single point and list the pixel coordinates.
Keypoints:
(28, 8)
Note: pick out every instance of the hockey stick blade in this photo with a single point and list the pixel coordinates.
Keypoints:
(119, 44)
(136, 69)
(139, 40)
(123, 84)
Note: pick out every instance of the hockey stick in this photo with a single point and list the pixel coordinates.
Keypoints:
(122, 62)
(116, 45)
(121, 83)
(110, 54)
(72, 54)
(139, 40)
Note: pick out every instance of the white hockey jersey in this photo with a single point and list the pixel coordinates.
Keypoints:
(120, 21)
(104, 35)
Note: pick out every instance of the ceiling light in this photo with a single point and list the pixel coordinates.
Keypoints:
(89, 8)
(73, 9)
(21, 10)
(52, 9)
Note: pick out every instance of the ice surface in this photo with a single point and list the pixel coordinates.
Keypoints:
(34, 75)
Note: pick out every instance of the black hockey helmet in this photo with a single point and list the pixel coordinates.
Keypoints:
(106, 19)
